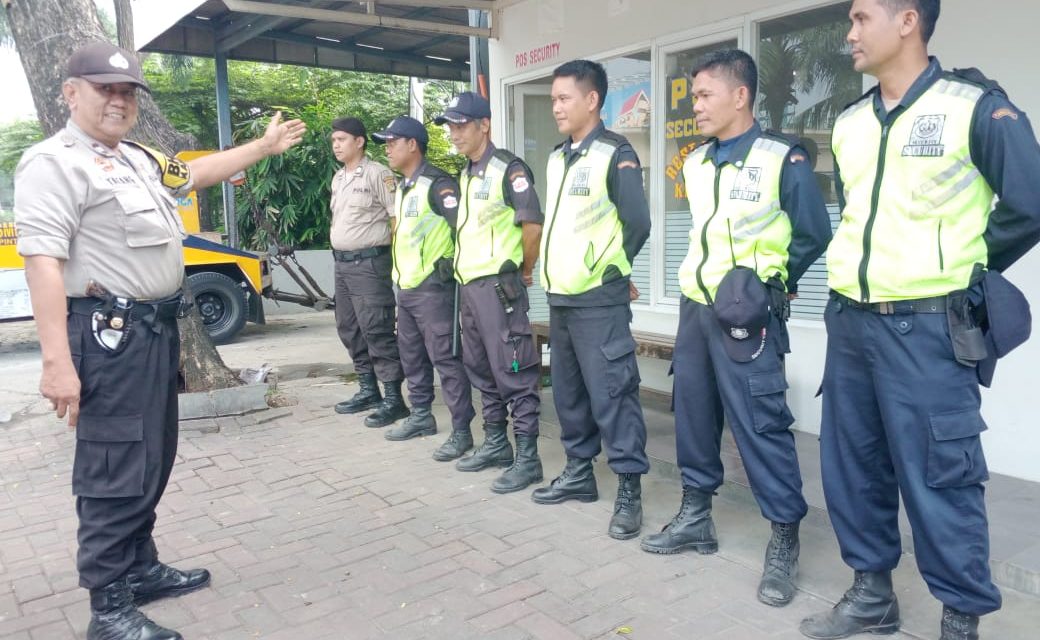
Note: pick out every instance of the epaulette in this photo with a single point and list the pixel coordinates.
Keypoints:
(174, 171)
(504, 155)
(869, 94)
(973, 76)
(615, 139)
(780, 136)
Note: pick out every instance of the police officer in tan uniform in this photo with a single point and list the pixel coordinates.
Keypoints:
(362, 198)
(99, 230)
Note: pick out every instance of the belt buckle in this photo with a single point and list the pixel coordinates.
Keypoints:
(886, 308)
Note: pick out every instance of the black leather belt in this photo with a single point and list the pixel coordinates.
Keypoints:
(935, 304)
(352, 256)
(165, 309)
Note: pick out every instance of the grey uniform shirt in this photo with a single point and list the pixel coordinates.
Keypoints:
(362, 204)
(104, 212)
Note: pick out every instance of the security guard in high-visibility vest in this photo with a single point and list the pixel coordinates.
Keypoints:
(98, 227)
(496, 246)
(425, 211)
(912, 269)
(596, 223)
(759, 221)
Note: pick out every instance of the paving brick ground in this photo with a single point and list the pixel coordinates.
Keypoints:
(316, 527)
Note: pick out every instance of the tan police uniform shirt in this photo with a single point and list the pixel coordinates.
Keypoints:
(362, 204)
(104, 212)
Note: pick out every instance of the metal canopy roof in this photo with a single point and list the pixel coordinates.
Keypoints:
(422, 38)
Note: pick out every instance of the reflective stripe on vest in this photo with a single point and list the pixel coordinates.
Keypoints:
(736, 218)
(422, 236)
(916, 206)
(487, 235)
(583, 232)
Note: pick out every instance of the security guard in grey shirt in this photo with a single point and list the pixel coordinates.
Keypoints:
(362, 198)
(99, 230)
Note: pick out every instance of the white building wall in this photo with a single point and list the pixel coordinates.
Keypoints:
(996, 40)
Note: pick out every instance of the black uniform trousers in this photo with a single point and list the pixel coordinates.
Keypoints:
(901, 418)
(595, 381)
(500, 355)
(126, 443)
(365, 316)
(424, 327)
(710, 386)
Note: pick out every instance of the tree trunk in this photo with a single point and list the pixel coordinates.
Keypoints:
(201, 366)
(124, 24)
(46, 32)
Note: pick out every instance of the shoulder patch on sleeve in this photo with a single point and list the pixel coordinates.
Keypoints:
(797, 157)
(450, 201)
(519, 182)
(174, 171)
(390, 182)
(627, 164)
(1005, 112)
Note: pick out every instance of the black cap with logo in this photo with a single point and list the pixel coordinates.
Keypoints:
(465, 107)
(403, 127)
(742, 308)
(105, 63)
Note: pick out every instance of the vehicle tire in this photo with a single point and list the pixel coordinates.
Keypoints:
(221, 303)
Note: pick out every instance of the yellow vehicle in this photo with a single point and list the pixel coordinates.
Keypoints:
(226, 283)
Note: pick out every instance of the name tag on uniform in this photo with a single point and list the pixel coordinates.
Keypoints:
(580, 184)
(926, 137)
(411, 207)
(362, 190)
(484, 190)
(747, 186)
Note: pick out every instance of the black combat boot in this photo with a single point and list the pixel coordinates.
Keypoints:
(114, 617)
(495, 451)
(869, 606)
(691, 528)
(391, 409)
(367, 397)
(459, 442)
(958, 626)
(628, 508)
(420, 423)
(781, 566)
(163, 581)
(525, 470)
(575, 482)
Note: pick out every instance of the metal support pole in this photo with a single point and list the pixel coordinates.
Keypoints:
(478, 54)
(224, 138)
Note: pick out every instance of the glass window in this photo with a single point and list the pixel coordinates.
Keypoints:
(627, 111)
(805, 80)
(681, 136)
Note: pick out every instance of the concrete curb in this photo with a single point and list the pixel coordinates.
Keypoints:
(223, 402)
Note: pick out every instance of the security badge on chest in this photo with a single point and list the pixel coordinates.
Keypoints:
(580, 184)
(411, 207)
(484, 190)
(926, 137)
(747, 185)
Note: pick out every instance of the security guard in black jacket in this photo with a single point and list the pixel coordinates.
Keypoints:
(921, 157)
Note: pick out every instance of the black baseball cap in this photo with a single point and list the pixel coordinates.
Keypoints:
(353, 126)
(742, 310)
(465, 107)
(403, 127)
(105, 63)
